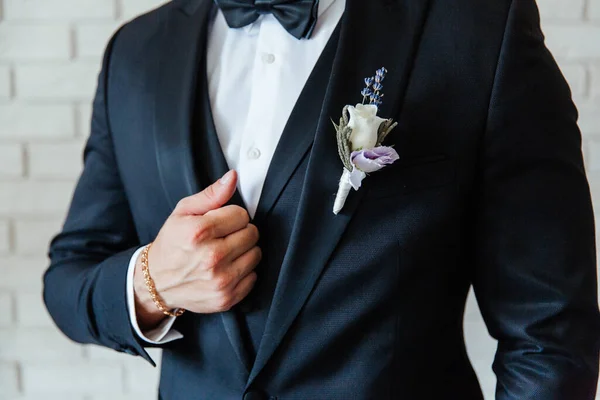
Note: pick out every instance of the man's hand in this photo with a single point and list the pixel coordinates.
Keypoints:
(203, 258)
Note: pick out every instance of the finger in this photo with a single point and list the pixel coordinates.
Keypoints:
(225, 220)
(210, 198)
(245, 264)
(243, 288)
(240, 242)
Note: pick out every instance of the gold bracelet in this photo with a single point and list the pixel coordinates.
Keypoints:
(152, 288)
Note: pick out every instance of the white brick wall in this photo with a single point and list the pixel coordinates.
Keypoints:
(5, 89)
(69, 81)
(91, 38)
(11, 155)
(29, 41)
(9, 378)
(63, 10)
(26, 120)
(49, 56)
(59, 160)
(6, 318)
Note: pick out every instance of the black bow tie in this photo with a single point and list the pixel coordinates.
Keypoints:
(298, 17)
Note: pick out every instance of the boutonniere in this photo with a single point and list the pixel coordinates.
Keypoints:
(360, 135)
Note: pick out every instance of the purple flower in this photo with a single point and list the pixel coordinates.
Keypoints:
(369, 81)
(372, 160)
(366, 92)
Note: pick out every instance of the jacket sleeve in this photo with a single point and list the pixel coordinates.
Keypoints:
(85, 285)
(535, 268)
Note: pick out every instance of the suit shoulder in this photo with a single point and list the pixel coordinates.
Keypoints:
(472, 16)
(460, 22)
(137, 38)
(137, 42)
(147, 23)
(136, 33)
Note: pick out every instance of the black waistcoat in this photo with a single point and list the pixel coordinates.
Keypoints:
(276, 212)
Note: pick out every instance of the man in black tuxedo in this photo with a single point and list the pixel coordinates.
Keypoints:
(294, 302)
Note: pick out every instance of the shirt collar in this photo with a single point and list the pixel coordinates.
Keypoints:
(324, 5)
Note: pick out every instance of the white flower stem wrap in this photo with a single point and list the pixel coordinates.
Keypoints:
(343, 191)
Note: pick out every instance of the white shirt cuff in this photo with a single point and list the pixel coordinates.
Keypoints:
(164, 332)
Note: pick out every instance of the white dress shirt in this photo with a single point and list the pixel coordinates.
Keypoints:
(255, 76)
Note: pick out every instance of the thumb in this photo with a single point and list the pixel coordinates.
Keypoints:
(211, 198)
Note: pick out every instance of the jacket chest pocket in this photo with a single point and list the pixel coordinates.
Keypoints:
(409, 175)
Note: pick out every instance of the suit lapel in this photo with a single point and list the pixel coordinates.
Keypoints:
(381, 33)
(177, 73)
(181, 69)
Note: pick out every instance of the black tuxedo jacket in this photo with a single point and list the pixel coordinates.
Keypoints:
(490, 191)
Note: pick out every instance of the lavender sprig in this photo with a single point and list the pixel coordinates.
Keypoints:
(367, 92)
(374, 87)
(377, 96)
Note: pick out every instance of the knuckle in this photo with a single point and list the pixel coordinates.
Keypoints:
(225, 302)
(250, 281)
(215, 255)
(244, 215)
(209, 193)
(258, 253)
(254, 232)
(221, 282)
(182, 204)
(240, 213)
(209, 272)
(203, 231)
(253, 278)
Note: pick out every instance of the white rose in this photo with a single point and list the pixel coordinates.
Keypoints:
(365, 124)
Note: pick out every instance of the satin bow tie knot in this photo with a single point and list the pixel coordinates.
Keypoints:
(263, 7)
(298, 17)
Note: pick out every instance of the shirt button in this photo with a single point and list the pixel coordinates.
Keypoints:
(268, 58)
(254, 153)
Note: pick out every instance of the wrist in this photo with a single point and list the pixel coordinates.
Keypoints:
(148, 316)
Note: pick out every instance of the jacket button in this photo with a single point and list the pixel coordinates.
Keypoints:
(255, 395)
